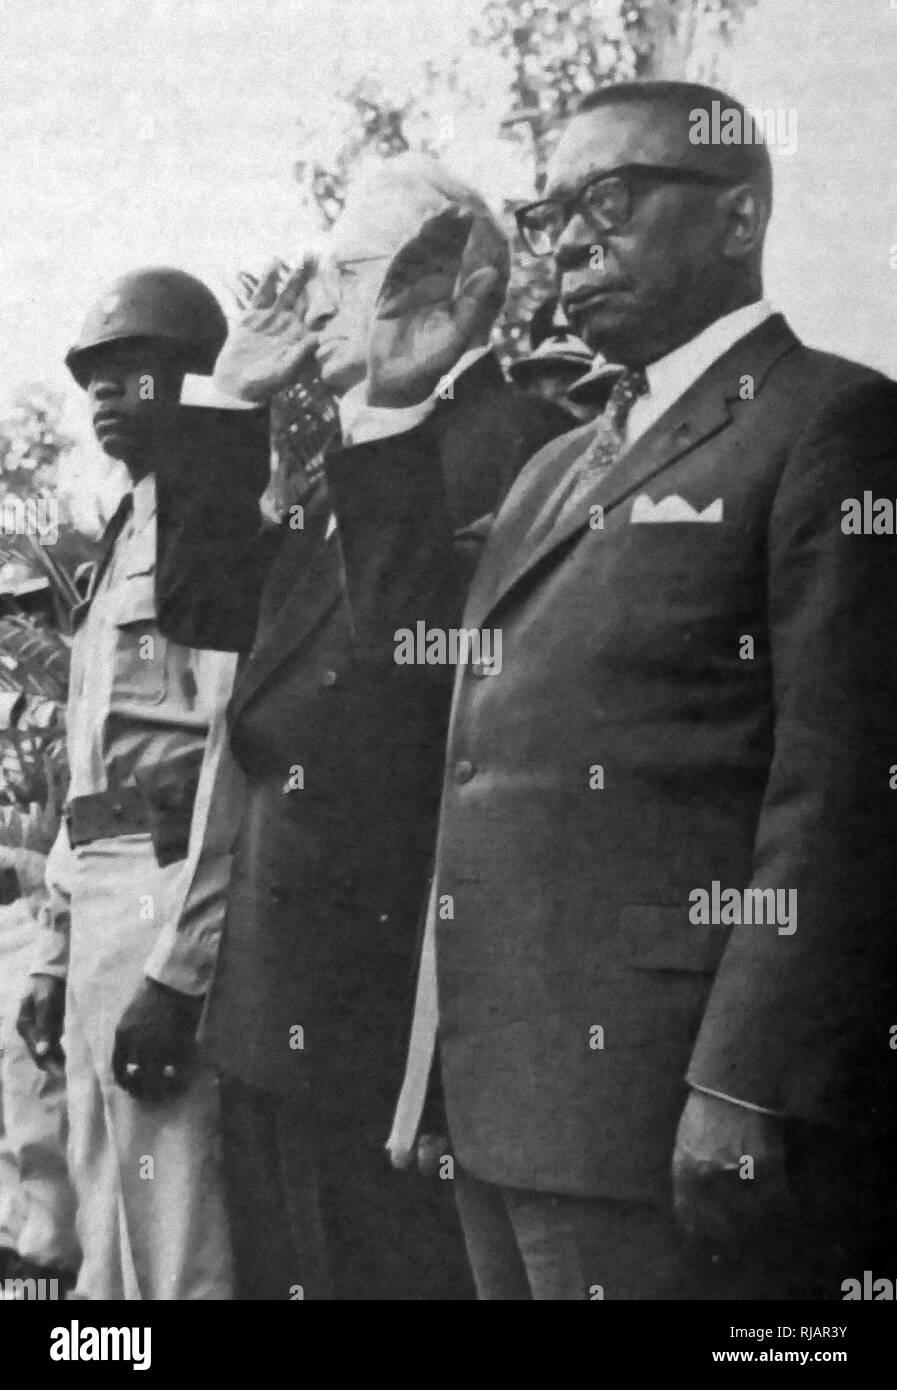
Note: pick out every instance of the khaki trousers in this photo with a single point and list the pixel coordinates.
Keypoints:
(151, 1215)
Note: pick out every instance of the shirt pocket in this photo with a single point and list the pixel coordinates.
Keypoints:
(140, 668)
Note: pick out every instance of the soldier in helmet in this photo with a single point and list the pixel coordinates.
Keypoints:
(113, 971)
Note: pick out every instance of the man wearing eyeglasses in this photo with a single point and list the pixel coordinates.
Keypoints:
(340, 747)
(667, 835)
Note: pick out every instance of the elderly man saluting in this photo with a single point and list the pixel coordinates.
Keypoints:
(341, 746)
(696, 705)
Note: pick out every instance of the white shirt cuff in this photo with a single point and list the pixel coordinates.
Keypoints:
(734, 1100)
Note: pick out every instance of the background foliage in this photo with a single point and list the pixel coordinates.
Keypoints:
(34, 651)
(551, 55)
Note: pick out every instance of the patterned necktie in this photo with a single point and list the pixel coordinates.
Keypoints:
(608, 444)
(606, 447)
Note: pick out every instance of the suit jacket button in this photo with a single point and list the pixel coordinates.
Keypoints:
(328, 678)
(463, 770)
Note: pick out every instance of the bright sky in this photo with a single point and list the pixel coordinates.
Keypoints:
(165, 131)
(152, 131)
(833, 234)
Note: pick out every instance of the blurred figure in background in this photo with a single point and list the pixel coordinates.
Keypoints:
(562, 368)
(37, 1203)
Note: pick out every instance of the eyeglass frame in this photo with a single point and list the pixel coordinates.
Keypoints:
(570, 206)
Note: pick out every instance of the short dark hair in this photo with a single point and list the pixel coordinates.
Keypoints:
(746, 161)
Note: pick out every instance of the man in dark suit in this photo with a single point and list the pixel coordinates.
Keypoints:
(662, 921)
(341, 746)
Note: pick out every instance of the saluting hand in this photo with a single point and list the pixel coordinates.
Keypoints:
(428, 312)
(270, 344)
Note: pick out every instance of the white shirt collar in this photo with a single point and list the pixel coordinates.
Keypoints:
(361, 422)
(671, 376)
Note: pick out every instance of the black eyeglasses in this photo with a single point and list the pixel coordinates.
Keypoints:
(605, 202)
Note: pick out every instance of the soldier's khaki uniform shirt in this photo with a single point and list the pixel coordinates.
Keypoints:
(135, 700)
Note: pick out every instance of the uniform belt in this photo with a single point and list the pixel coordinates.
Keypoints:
(105, 815)
(161, 806)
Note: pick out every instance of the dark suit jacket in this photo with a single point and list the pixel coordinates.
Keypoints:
(211, 467)
(750, 762)
(328, 879)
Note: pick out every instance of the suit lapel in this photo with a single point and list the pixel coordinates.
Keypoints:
(313, 583)
(705, 409)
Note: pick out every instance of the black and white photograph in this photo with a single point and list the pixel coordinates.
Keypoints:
(448, 667)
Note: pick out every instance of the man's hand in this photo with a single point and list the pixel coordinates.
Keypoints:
(431, 1150)
(718, 1196)
(426, 1156)
(155, 1042)
(41, 1019)
(427, 314)
(268, 347)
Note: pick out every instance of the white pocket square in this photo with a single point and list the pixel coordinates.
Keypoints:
(674, 508)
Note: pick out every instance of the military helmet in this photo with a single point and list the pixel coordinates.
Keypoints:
(560, 351)
(161, 303)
